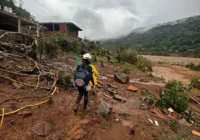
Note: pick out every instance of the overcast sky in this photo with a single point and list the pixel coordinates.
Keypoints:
(111, 18)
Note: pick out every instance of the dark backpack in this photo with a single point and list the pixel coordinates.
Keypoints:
(80, 76)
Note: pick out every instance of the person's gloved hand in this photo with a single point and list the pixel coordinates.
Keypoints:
(88, 88)
(93, 87)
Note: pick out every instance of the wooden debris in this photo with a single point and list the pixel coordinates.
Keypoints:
(119, 98)
(132, 88)
(158, 113)
(108, 96)
(196, 133)
(192, 99)
(12, 80)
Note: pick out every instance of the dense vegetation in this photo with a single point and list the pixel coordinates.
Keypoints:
(18, 10)
(181, 37)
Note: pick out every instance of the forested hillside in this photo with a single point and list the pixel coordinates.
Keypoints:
(18, 10)
(181, 37)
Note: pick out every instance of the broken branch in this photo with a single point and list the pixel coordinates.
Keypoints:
(12, 80)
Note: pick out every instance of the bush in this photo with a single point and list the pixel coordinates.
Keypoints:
(102, 64)
(175, 85)
(175, 97)
(143, 64)
(126, 70)
(196, 82)
(126, 54)
(76, 45)
(193, 66)
(64, 80)
(50, 49)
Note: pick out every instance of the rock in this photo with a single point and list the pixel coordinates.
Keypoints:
(17, 85)
(105, 109)
(144, 106)
(1, 57)
(133, 104)
(42, 128)
(119, 98)
(121, 77)
(183, 121)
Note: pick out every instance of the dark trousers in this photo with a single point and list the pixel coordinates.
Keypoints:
(82, 92)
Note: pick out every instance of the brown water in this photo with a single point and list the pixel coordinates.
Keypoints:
(169, 72)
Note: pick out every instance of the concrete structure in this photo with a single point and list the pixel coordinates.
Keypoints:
(11, 22)
(67, 28)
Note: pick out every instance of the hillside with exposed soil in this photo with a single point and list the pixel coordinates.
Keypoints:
(35, 107)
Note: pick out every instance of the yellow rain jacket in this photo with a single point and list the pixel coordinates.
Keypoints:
(94, 75)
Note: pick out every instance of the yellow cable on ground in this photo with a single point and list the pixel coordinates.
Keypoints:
(32, 105)
(22, 74)
(2, 118)
(37, 82)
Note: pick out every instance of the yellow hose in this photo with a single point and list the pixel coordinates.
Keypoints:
(32, 105)
(2, 117)
(37, 82)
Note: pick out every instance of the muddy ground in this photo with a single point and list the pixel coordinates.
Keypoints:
(56, 120)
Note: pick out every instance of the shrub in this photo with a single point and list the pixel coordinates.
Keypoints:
(143, 64)
(64, 80)
(126, 70)
(126, 54)
(173, 98)
(50, 49)
(102, 64)
(193, 66)
(175, 85)
(196, 82)
(76, 45)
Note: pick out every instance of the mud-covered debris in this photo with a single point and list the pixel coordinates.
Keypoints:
(42, 128)
(132, 88)
(25, 113)
(1, 57)
(158, 113)
(144, 106)
(132, 132)
(170, 110)
(121, 77)
(156, 123)
(17, 86)
(195, 133)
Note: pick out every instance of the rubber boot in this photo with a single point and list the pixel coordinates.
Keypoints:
(76, 108)
(84, 109)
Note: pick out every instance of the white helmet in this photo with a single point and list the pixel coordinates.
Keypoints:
(87, 56)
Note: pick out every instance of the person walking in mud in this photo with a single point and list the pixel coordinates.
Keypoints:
(85, 79)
